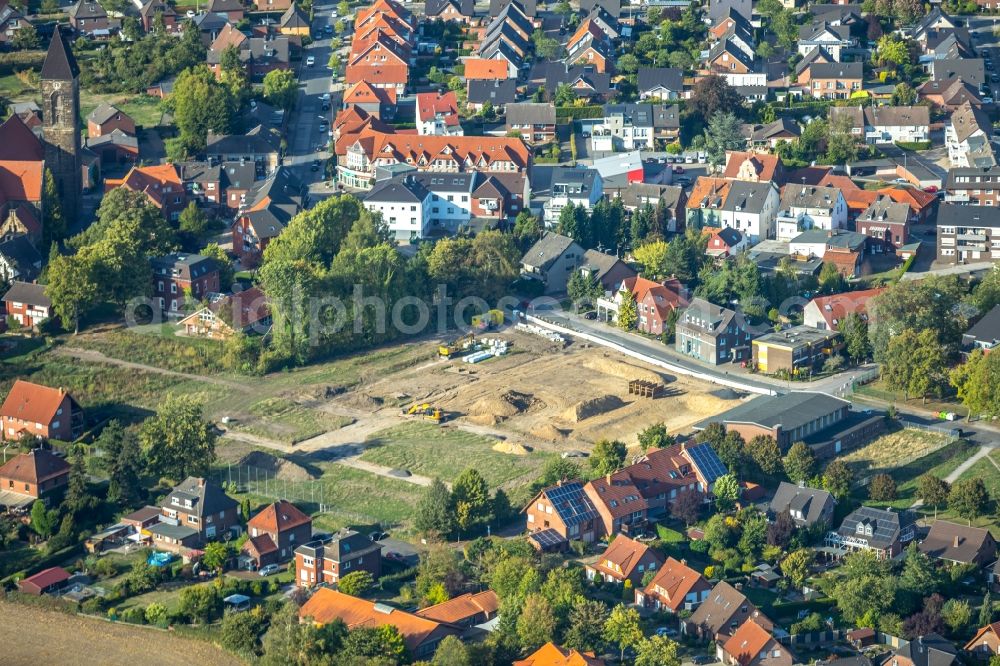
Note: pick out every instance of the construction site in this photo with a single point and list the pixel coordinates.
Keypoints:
(538, 390)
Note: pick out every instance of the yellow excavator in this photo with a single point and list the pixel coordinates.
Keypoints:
(457, 345)
(424, 409)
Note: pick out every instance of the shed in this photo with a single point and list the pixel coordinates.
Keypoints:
(44, 582)
(860, 638)
(237, 602)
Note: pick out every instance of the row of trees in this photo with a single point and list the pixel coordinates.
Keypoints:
(467, 506)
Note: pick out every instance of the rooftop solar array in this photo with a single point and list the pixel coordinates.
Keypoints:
(547, 539)
(572, 503)
(705, 459)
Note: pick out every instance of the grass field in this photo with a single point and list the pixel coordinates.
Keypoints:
(432, 450)
(286, 421)
(894, 449)
(986, 469)
(940, 463)
(145, 110)
(157, 346)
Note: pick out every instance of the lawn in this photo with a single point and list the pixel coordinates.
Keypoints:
(145, 110)
(286, 421)
(894, 449)
(437, 451)
(940, 463)
(986, 469)
(157, 346)
(880, 391)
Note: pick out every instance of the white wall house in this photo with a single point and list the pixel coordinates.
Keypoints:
(577, 186)
(751, 209)
(404, 204)
(810, 207)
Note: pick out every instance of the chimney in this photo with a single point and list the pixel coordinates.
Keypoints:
(957, 540)
(802, 484)
(684, 561)
(738, 586)
(607, 479)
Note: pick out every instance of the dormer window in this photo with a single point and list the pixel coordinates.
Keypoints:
(861, 528)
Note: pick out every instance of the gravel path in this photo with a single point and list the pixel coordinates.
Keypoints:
(35, 637)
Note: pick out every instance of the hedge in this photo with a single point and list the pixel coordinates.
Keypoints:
(579, 112)
(914, 145)
(20, 60)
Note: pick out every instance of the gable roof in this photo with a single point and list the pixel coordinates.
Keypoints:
(463, 607)
(327, 605)
(293, 17)
(724, 605)
(33, 402)
(18, 142)
(662, 298)
(836, 307)
(957, 543)
(765, 165)
(364, 92)
(978, 640)
(929, 650)
(570, 502)
(625, 554)
(886, 525)
(531, 113)
(986, 329)
(429, 105)
(199, 496)
(551, 654)
(673, 582)
(278, 517)
(34, 466)
(747, 642)
(808, 502)
(484, 68)
(836, 70)
(671, 78)
(495, 92)
(59, 65)
(966, 120)
(788, 411)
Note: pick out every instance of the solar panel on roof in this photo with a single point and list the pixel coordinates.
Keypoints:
(707, 461)
(571, 503)
(547, 538)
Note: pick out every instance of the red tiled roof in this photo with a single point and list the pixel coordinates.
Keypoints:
(155, 181)
(18, 142)
(834, 309)
(747, 642)
(278, 517)
(228, 36)
(411, 148)
(385, 74)
(21, 180)
(463, 607)
(44, 579)
(665, 295)
(673, 582)
(248, 307)
(763, 164)
(917, 200)
(478, 69)
(363, 92)
(551, 654)
(432, 104)
(261, 544)
(625, 553)
(32, 402)
(34, 467)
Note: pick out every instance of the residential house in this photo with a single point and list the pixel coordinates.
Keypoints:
(585, 81)
(562, 513)
(968, 136)
(421, 636)
(845, 249)
(620, 506)
(233, 10)
(405, 206)
(717, 9)
(675, 588)
(928, 650)
(723, 611)
(275, 532)
(160, 183)
(226, 314)
(48, 581)
(590, 45)
(114, 148)
(823, 35)
(969, 70)
(769, 135)
(377, 102)
(660, 83)
(794, 350)
(806, 207)
(271, 205)
(575, 186)
(437, 114)
(654, 301)
(972, 186)
(295, 21)
(949, 94)
(829, 312)
(625, 559)
(751, 209)
(11, 21)
(19, 260)
(754, 167)
(462, 11)
(672, 198)
(711, 333)
(534, 122)
(497, 93)
(822, 421)
(42, 411)
(272, 5)
(725, 242)
(634, 126)
(605, 269)
(807, 506)
(157, 11)
(921, 203)
(203, 182)
(326, 561)
(883, 532)
(986, 643)
(886, 124)
(27, 304)
(551, 654)
(177, 277)
(260, 146)
(753, 645)
(466, 610)
(106, 119)
(985, 334)
(886, 223)
(833, 80)
(194, 512)
(730, 58)
(37, 474)
(968, 234)
(88, 17)
(959, 544)
(485, 69)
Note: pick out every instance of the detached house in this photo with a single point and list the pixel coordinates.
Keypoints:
(660, 83)
(27, 304)
(625, 559)
(886, 223)
(823, 35)
(927, 650)
(561, 513)
(711, 333)
(326, 561)
(176, 276)
(883, 532)
(107, 118)
(833, 80)
(829, 312)
(37, 474)
(274, 533)
(161, 184)
(806, 506)
(552, 259)
(41, 411)
(887, 124)
(437, 114)
(196, 511)
(959, 544)
(575, 186)
(810, 207)
(551, 654)
(654, 301)
(986, 643)
(634, 126)
(461, 11)
(722, 612)
(969, 138)
(89, 17)
(675, 588)
(246, 311)
(753, 645)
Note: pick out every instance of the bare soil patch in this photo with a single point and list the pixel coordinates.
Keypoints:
(284, 470)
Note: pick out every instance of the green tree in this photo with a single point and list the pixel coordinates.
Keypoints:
(607, 457)
(712, 94)
(931, 303)
(891, 52)
(986, 610)
(957, 615)
(527, 230)
(291, 641)
(123, 461)
(356, 583)
(584, 289)
(841, 144)
(657, 651)
(830, 279)
(854, 330)
(837, 479)
(796, 566)
(536, 624)
(586, 625)
(558, 469)
(800, 463)
(903, 95)
(78, 500)
(217, 554)
(968, 498)
(177, 440)
(656, 437)
(226, 272)
(627, 315)
(200, 104)
(281, 88)
(918, 577)
(200, 603)
(192, 221)
(623, 628)
(723, 133)
(986, 295)
(564, 95)
(882, 488)
(765, 453)
(368, 642)
(43, 521)
(727, 491)
(26, 37)
(866, 588)
(240, 632)
(54, 224)
(156, 614)
(434, 510)
(451, 652)
(470, 499)
(71, 287)
(933, 491)
(974, 382)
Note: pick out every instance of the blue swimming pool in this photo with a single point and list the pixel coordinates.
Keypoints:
(159, 559)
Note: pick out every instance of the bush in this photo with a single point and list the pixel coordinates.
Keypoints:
(700, 546)
(134, 615)
(914, 145)
(20, 60)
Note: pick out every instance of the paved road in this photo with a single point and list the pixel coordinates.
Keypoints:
(987, 43)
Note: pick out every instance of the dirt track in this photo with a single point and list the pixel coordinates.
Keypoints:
(35, 637)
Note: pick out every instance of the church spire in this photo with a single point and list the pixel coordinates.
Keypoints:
(59, 65)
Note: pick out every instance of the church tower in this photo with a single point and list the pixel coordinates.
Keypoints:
(60, 82)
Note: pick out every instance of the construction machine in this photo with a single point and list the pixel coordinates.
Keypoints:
(458, 345)
(426, 411)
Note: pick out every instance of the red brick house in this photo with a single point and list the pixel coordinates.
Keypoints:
(175, 275)
(986, 643)
(275, 532)
(753, 645)
(327, 560)
(27, 304)
(654, 301)
(46, 413)
(195, 511)
(44, 582)
(37, 473)
(676, 587)
(107, 118)
(561, 513)
(625, 559)
(725, 242)
(162, 184)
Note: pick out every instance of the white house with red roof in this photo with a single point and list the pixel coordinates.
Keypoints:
(437, 114)
(675, 588)
(827, 313)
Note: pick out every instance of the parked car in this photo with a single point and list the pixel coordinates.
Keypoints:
(310, 61)
(315, 165)
(666, 631)
(325, 97)
(678, 169)
(378, 536)
(394, 557)
(269, 569)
